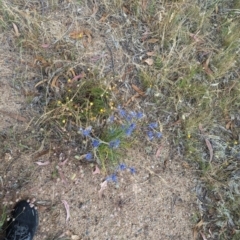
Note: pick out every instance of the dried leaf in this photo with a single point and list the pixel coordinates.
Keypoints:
(153, 40)
(125, 10)
(138, 90)
(97, 170)
(41, 82)
(203, 236)
(81, 75)
(206, 68)
(67, 209)
(149, 61)
(103, 187)
(196, 229)
(229, 125)
(41, 60)
(88, 33)
(42, 163)
(45, 45)
(71, 73)
(54, 83)
(209, 148)
(150, 54)
(158, 151)
(16, 29)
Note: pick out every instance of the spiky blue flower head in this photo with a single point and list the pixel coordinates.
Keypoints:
(112, 178)
(129, 117)
(88, 156)
(130, 129)
(95, 143)
(121, 112)
(132, 170)
(86, 132)
(139, 115)
(122, 167)
(114, 143)
(150, 135)
(158, 134)
(153, 125)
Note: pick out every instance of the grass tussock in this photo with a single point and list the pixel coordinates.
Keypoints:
(175, 62)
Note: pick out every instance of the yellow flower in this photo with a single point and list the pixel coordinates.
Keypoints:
(63, 121)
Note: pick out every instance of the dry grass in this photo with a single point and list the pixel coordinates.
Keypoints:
(182, 55)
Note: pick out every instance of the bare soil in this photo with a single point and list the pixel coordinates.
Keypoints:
(152, 204)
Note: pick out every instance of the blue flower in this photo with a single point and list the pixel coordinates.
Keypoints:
(121, 111)
(114, 143)
(111, 178)
(132, 170)
(153, 125)
(150, 135)
(122, 167)
(139, 115)
(95, 143)
(158, 134)
(86, 132)
(130, 129)
(88, 156)
(111, 119)
(129, 117)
